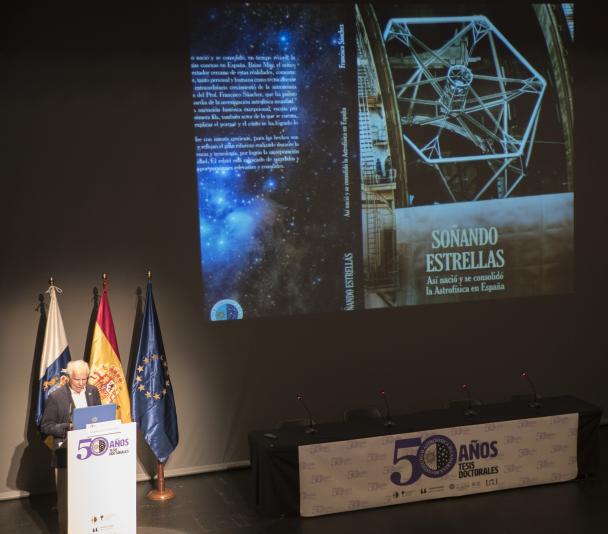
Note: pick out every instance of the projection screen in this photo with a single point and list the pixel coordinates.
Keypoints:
(370, 156)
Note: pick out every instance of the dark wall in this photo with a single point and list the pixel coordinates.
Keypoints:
(97, 174)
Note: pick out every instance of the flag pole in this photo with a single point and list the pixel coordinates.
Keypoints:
(161, 493)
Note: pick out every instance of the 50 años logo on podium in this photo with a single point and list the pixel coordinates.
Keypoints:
(98, 446)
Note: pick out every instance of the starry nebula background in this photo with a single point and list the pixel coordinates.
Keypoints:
(274, 241)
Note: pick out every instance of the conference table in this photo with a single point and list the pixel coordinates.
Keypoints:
(426, 455)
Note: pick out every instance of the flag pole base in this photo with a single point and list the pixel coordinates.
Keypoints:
(155, 495)
(160, 493)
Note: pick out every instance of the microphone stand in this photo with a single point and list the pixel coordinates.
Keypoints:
(310, 429)
(534, 404)
(469, 410)
(388, 422)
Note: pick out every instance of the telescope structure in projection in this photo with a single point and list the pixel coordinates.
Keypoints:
(469, 102)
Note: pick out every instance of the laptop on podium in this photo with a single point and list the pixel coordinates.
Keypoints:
(93, 414)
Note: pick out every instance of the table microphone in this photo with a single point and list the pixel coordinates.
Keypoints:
(534, 403)
(387, 420)
(469, 411)
(310, 429)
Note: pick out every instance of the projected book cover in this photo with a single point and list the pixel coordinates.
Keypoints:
(372, 156)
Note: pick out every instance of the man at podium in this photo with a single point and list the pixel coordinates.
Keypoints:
(57, 420)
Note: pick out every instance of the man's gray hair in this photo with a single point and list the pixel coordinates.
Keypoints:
(77, 365)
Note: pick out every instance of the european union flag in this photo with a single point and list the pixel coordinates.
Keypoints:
(153, 404)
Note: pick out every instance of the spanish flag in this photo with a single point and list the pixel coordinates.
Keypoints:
(106, 369)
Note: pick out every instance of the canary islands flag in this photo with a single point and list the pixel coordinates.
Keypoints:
(151, 390)
(106, 369)
(55, 354)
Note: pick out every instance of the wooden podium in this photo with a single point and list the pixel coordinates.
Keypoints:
(102, 463)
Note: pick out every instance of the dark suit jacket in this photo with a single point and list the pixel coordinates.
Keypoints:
(57, 414)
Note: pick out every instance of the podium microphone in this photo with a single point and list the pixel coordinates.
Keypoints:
(388, 422)
(534, 403)
(469, 410)
(310, 429)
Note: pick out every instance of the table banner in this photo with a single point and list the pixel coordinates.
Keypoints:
(447, 462)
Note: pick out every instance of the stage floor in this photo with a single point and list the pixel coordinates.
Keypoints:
(220, 503)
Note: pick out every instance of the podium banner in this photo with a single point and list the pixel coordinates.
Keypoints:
(101, 479)
(446, 462)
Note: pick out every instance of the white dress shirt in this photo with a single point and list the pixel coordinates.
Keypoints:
(80, 399)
